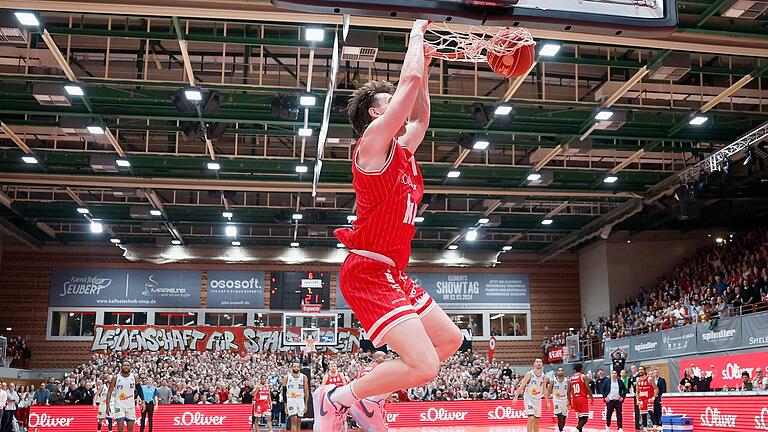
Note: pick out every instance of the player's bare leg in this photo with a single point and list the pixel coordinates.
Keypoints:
(442, 331)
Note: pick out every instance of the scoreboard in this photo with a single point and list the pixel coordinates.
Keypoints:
(290, 290)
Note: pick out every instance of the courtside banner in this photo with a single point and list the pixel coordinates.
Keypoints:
(487, 413)
(557, 354)
(721, 413)
(167, 418)
(725, 369)
(108, 338)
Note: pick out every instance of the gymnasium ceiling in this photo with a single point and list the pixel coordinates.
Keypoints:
(128, 59)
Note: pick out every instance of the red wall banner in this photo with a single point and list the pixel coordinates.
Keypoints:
(726, 369)
(721, 413)
(710, 413)
(557, 354)
(204, 338)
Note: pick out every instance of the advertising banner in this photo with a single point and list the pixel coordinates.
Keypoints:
(755, 330)
(471, 290)
(557, 354)
(204, 338)
(235, 289)
(721, 413)
(120, 287)
(612, 344)
(726, 369)
(727, 335)
(645, 346)
(709, 413)
(169, 418)
(678, 341)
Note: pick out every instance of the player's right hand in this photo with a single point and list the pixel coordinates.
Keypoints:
(419, 27)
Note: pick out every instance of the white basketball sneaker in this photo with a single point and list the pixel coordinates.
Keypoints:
(329, 416)
(370, 416)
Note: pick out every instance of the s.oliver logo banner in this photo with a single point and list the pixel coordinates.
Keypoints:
(485, 413)
(471, 290)
(204, 338)
(122, 287)
(714, 413)
(235, 289)
(725, 369)
(193, 418)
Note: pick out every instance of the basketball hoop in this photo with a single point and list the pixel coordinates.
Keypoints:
(309, 345)
(508, 51)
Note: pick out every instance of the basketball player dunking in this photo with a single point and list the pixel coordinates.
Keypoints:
(392, 308)
(536, 386)
(334, 377)
(121, 398)
(578, 391)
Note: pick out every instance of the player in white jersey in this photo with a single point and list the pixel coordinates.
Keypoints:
(558, 388)
(100, 401)
(121, 397)
(535, 385)
(296, 387)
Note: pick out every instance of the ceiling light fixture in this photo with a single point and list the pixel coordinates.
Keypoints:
(28, 19)
(351, 218)
(506, 248)
(307, 100)
(549, 49)
(418, 219)
(314, 34)
(610, 179)
(305, 132)
(483, 220)
(603, 115)
(533, 176)
(301, 168)
(193, 94)
(74, 90)
(230, 231)
(122, 163)
(175, 242)
(340, 245)
(481, 144)
(547, 222)
(213, 165)
(294, 244)
(453, 247)
(235, 243)
(471, 235)
(297, 216)
(97, 227)
(503, 110)
(155, 212)
(698, 120)
(95, 130)
(83, 210)
(454, 174)
(227, 214)
(29, 159)
(114, 240)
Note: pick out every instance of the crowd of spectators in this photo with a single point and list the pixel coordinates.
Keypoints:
(17, 354)
(725, 280)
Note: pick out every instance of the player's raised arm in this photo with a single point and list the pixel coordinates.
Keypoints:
(418, 123)
(389, 117)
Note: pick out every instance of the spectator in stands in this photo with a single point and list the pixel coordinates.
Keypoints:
(164, 393)
(57, 395)
(746, 383)
(42, 395)
(703, 384)
(11, 403)
(760, 383)
(686, 384)
(619, 359)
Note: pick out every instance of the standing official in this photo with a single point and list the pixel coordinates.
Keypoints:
(614, 391)
(661, 388)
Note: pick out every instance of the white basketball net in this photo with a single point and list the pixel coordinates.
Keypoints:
(473, 46)
(309, 345)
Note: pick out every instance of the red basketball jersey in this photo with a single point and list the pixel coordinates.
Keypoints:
(644, 388)
(387, 202)
(336, 380)
(578, 386)
(262, 394)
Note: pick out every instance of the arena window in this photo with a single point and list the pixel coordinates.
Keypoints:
(176, 318)
(125, 318)
(469, 321)
(510, 325)
(268, 320)
(72, 323)
(225, 319)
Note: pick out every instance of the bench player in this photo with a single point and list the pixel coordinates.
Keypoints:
(334, 377)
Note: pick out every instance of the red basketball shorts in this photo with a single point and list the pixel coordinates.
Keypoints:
(644, 404)
(580, 407)
(261, 408)
(381, 295)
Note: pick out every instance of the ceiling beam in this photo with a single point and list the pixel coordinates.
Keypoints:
(261, 11)
(267, 186)
(18, 141)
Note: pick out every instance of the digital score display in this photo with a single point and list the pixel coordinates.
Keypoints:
(290, 290)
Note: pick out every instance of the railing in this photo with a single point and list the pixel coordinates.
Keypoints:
(594, 348)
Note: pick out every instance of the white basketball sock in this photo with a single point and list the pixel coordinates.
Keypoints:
(345, 396)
